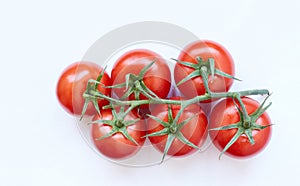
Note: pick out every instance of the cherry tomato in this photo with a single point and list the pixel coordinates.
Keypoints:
(204, 49)
(72, 84)
(195, 130)
(157, 78)
(226, 113)
(118, 146)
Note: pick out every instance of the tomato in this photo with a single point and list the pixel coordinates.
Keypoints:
(72, 84)
(204, 49)
(226, 113)
(118, 146)
(194, 131)
(157, 78)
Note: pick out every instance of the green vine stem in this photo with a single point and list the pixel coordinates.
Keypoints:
(134, 84)
(135, 103)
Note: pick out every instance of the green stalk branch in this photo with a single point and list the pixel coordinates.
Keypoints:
(135, 85)
(196, 99)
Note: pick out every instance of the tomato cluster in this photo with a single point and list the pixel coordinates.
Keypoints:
(136, 102)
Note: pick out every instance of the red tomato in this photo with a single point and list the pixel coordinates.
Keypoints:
(157, 78)
(226, 113)
(72, 84)
(204, 49)
(117, 146)
(195, 131)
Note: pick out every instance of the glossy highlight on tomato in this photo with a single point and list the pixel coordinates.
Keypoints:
(72, 84)
(226, 113)
(205, 49)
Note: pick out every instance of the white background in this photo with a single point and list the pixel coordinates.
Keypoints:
(40, 144)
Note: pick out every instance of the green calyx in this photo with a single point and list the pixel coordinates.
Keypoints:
(172, 128)
(134, 84)
(246, 124)
(118, 124)
(203, 69)
(90, 93)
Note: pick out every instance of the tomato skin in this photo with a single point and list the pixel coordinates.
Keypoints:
(225, 113)
(118, 146)
(205, 49)
(195, 130)
(72, 84)
(157, 78)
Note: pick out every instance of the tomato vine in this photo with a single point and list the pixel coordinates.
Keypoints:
(134, 84)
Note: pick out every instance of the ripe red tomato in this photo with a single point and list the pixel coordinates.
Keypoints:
(118, 146)
(195, 130)
(72, 84)
(226, 113)
(204, 49)
(157, 78)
